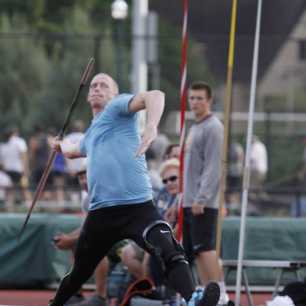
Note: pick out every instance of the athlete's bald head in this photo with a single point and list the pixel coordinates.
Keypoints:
(102, 89)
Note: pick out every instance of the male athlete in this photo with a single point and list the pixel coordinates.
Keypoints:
(120, 191)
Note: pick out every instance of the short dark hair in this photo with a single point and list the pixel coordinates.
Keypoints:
(199, 85)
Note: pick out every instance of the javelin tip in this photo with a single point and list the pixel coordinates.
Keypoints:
(87, 71)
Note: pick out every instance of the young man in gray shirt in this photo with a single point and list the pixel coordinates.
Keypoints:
(202, 174)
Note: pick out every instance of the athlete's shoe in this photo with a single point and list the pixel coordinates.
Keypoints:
(208, 297)
(223, 300)
(76, 298)
(94, 300)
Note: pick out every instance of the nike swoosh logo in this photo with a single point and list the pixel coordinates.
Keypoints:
(163, 232)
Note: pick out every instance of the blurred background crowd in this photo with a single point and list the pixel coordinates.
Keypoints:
(55, 38)
(23, 160)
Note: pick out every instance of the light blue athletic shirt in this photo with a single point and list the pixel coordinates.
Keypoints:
(115, 176)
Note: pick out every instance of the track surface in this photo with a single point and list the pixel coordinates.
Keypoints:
(41, 298)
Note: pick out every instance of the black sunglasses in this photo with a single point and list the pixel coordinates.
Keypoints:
(172, 178)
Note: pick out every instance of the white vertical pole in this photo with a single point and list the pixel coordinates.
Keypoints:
(246, 173)
(139, 64)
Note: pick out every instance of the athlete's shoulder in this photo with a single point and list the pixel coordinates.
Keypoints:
(122, 97)
(120, 103)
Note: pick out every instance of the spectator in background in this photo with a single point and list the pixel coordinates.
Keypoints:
(258, 163)
(14, 160)
(73, 165)
(159, 146)
(235, 167)
(153, 172)
(5, 185)
(167, 199)
(58, 178)
(172, 151)
(57, 175)
(202, 174)
(304, 153)
(298, 209)
(302, 174)
(234, 175)
(39, 151)
(38, 154)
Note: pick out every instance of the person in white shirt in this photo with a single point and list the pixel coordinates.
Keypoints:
(258, 163)
(73, 166)
(14, 160)
(5, 185)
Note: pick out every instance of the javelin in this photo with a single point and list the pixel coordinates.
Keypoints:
(44, 177)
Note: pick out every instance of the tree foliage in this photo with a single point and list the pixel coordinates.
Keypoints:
(45, 44)
(51, 15)
(25, 69)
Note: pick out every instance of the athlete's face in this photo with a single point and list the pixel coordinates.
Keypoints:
(102, 89)
(170, 179)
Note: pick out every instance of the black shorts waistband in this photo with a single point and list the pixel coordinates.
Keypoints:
(122, 207)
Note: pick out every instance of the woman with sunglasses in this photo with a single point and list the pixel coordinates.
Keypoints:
(166, 199)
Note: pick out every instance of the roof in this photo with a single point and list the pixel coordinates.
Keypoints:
(209, 22)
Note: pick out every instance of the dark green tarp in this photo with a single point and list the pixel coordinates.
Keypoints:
(33, 261)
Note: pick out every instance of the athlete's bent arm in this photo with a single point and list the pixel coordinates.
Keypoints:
(154, 102)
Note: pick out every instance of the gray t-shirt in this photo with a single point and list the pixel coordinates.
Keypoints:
(202, 172)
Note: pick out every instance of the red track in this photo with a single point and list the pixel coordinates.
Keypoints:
(41, 298)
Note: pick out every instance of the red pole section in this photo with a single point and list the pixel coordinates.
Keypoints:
(183, 94)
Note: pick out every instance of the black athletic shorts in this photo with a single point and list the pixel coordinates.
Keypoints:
(106, 226)
(199, 232)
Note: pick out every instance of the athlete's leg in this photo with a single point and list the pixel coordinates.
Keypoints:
(160, 242)
(89, 252)
(154, 235)
(158, 239)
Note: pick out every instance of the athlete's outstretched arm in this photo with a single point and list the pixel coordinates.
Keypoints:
(154, 102)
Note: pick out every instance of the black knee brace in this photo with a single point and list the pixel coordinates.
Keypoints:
(161, 242)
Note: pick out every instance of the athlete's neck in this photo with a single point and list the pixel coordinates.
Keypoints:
(97, 112)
